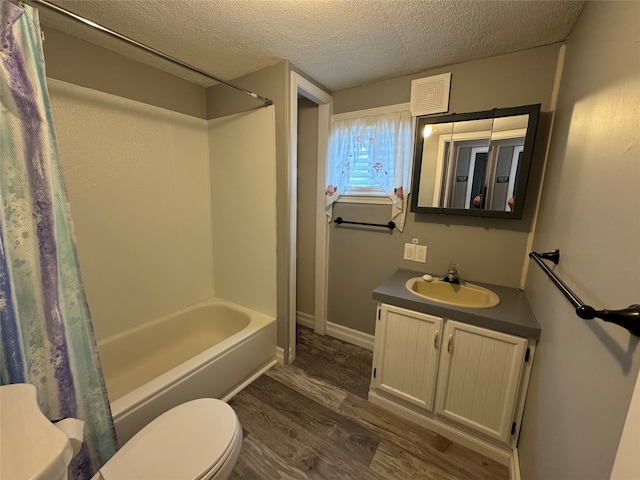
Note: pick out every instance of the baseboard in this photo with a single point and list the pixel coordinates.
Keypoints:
(247, 381)
(340, 332)
(305, 320)
(350, 335)
(280, 355)
(514, 466)
(500, 455)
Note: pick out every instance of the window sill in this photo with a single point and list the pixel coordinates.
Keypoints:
(370, 199)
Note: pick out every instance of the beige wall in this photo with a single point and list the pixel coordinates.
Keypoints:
(138, 183)
(487, 250)
(585, 371)
(271, 82)
(84, 64)
(495, 82)
(243, 182)
(306, 215)
(75, 61)
(139, 176)
(627, 463)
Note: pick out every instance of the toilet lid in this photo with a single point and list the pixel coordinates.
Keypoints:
(184, 443)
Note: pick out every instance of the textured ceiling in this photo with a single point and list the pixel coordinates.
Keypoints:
(340, 43)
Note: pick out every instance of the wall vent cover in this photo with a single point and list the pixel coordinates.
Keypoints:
(430, 94)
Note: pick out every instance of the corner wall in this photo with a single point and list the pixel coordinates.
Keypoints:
(72, 60)
(585, 371)
(134, 148)
(306, 214)
(243, 192)
(271, 82)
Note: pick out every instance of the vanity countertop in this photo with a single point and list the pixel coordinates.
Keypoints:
(512, 315)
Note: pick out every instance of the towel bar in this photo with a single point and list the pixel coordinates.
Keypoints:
(628, 318)
(390, 225)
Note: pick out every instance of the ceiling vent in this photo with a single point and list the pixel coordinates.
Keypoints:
(430, 94)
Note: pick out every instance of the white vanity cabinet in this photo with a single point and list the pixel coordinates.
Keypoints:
(406, 349)
(463, 381)
(479, 378)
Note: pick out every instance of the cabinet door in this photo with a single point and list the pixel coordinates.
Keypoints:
(406, 354)
(479, 378)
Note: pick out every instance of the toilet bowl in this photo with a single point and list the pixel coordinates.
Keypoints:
(197, 440)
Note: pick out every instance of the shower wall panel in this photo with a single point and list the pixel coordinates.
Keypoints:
(138, 183)
(243, 183)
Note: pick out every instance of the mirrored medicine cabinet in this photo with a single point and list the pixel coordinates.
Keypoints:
(474, 164)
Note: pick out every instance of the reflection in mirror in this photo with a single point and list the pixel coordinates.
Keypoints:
(474, 164)
(435, 136)
(463, 183)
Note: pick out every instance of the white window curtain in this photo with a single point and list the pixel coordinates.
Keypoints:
(371, 151)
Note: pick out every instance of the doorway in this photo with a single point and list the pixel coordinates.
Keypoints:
(303, 88)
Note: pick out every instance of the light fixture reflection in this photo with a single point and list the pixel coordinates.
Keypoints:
(427, 131)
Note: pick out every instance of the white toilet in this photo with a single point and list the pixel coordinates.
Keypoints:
(198, 440)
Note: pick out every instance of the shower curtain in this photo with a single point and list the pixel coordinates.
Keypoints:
(46, 336)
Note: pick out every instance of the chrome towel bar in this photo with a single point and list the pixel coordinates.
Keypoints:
(628, 318)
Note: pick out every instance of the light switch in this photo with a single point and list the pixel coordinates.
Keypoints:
(409, 251)
(421, 253)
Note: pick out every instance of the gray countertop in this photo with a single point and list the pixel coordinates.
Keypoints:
(512, 315)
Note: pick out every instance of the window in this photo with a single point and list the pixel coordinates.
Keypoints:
(370, 156)
(367, 153)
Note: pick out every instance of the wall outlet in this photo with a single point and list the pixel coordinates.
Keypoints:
(415, 241)
(421, 253)
(409, 251)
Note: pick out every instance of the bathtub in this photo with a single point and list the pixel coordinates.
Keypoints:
(212, 349)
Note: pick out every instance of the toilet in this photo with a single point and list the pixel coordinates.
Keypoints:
(197, 440)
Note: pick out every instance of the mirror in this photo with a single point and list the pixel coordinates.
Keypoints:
(474, 163)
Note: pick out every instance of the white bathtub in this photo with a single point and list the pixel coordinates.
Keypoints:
(212, 349)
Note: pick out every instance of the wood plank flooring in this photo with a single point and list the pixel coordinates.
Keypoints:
(312, 420)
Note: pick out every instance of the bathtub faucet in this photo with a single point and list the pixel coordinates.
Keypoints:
(452, 275)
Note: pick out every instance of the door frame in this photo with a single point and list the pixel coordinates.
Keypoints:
(301, 86)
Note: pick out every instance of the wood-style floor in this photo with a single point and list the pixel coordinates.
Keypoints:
(312, 420)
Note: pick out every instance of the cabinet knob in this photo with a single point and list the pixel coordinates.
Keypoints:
(435, 340)
(449, 345)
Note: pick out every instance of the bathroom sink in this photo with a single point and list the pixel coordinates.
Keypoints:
(467, 295)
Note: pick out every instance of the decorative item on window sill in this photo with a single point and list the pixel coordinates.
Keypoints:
(390, 225)
(628, 318)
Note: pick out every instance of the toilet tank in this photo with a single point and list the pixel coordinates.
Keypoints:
(31, 447)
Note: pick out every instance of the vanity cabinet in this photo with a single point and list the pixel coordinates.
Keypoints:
(457, 379)
(406, 350)
(479, 378)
